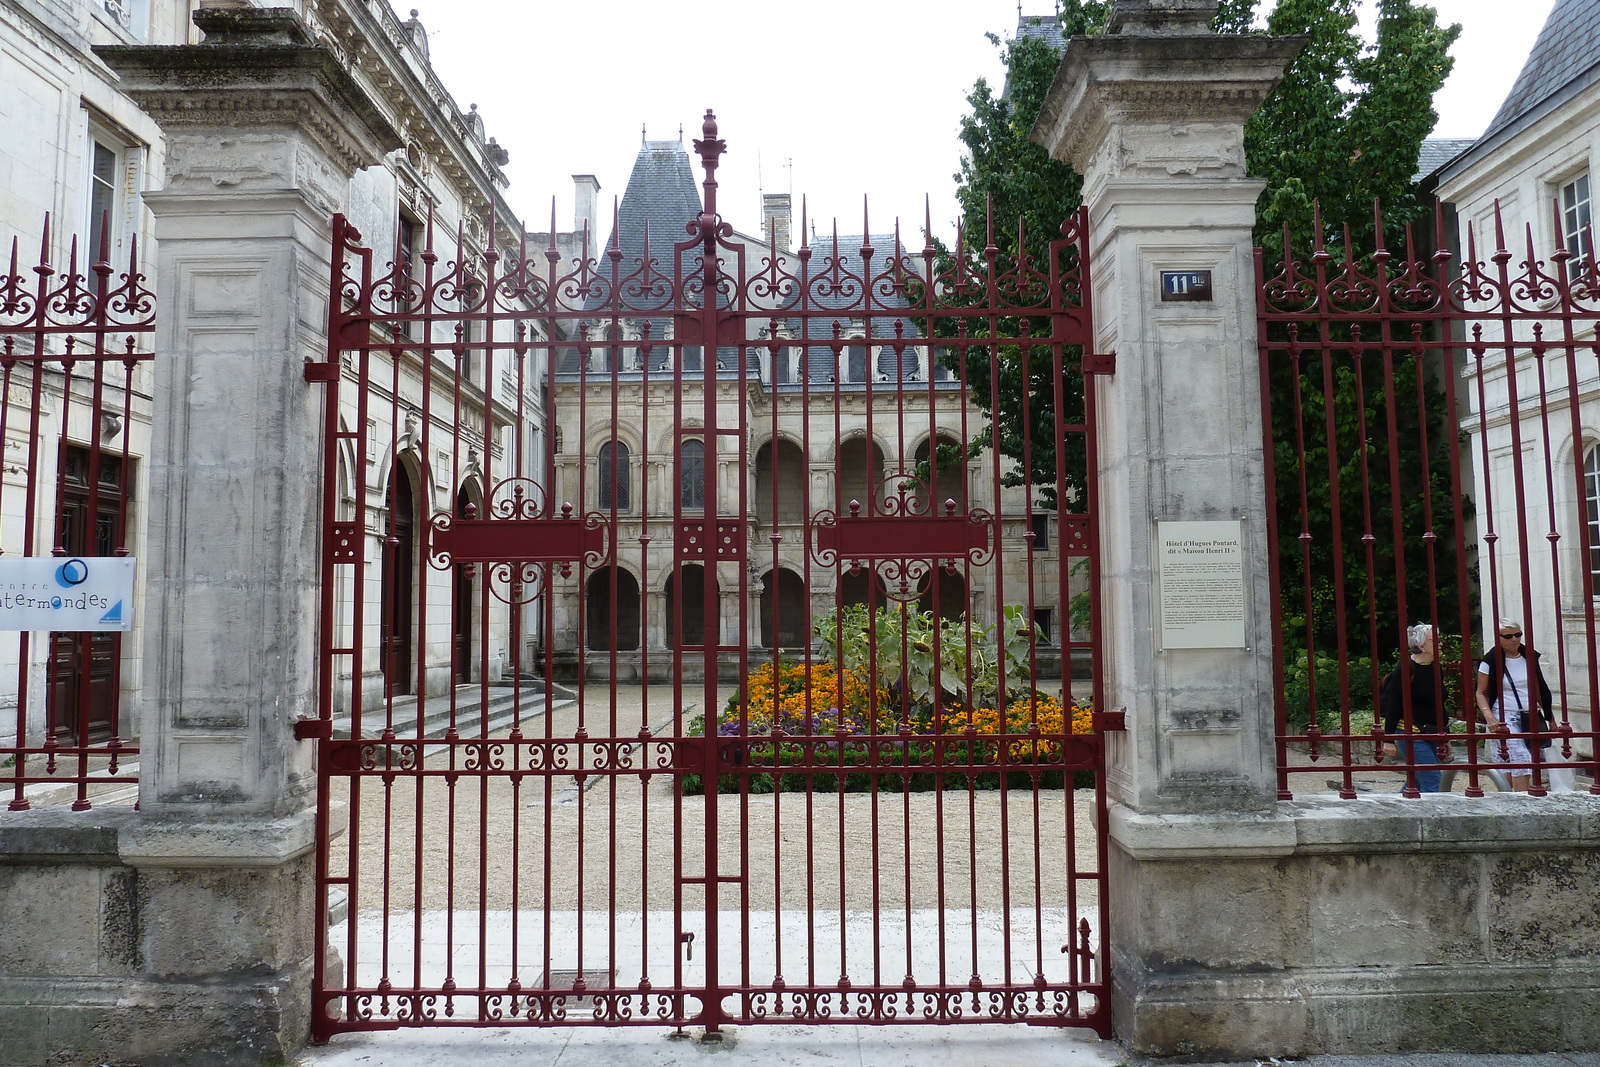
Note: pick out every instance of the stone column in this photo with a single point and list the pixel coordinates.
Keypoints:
(263, 133)
(1152, 114)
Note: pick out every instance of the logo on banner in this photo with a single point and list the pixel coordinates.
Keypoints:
(66, 595)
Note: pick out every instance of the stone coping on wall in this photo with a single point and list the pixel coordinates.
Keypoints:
(1499, 822)
(136, 839)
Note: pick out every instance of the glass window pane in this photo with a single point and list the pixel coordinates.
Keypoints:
(693, 474)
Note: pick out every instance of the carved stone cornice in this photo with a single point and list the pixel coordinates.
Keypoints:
(261, 79)
(1188, 80)
(382, 52)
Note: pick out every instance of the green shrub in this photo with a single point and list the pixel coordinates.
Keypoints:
(1304, 674)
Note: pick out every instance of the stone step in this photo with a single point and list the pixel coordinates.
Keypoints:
(470, 711)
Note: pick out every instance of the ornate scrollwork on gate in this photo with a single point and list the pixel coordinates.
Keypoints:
(519, 540)
(904, 549)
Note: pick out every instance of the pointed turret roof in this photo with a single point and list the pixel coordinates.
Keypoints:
(662, 194)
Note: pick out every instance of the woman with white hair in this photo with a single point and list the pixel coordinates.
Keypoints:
(1510, 686)
(1423, 730)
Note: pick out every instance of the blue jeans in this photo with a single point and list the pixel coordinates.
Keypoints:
(1418, 751)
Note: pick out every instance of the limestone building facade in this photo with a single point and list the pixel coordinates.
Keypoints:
(87, 155)
(1528, 178)
(827, 423)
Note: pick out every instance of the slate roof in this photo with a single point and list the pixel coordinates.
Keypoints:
(662, 197)
(821, 365)
(663, 193)
(1567, 52)
(1437, 151)
(1045, 28)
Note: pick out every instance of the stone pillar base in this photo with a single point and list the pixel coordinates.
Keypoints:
(130, 939)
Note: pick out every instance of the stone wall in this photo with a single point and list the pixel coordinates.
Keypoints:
(125, 940)
(1375, 925)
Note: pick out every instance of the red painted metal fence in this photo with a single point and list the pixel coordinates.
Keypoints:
(1434, 431)
(73, 358)
(680, 664)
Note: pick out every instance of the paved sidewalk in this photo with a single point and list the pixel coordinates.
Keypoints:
(802, 1046)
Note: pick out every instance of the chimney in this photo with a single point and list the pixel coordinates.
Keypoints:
(585, 194)
(775, 216)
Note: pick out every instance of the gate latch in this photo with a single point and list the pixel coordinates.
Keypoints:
(1099, 363)
(313, 729)
(687, 940)
(1111, 721)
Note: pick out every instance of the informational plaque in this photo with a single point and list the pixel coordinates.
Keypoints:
(1201, 568)
(66, 593)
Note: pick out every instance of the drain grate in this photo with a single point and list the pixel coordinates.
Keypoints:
(557, 979)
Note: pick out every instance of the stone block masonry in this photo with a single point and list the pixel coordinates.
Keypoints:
(128, 939)
(1376, 925)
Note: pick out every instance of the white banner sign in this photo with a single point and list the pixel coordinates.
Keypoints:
(1202, 584)
(66, 593)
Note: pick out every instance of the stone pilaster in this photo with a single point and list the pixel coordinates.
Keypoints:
(1152, 114)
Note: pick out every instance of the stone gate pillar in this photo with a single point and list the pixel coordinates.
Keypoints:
(263, 133)
(1152, 115)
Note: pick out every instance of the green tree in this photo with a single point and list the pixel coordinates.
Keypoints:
(1343, 129)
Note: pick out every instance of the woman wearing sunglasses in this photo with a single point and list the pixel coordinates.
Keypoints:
(1510, 684)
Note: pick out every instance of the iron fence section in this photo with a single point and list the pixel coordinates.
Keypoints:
(1427, 426)
(72, 345)
(653, 471)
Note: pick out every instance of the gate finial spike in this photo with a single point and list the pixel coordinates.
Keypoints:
(103, 253)
(1440, 254)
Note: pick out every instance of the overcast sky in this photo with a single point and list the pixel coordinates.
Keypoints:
(828, 99)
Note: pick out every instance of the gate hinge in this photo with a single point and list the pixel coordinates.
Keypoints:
(1099, 363)
(313, 729)
(1111, 721)
(322, 370)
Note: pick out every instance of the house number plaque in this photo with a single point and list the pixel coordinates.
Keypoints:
(1185, 285)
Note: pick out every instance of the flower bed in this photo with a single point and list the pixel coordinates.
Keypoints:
(812, 727)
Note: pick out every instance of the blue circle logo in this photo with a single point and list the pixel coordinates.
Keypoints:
(72, 572)
(56, 603)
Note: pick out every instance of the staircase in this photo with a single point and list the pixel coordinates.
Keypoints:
(470, 711)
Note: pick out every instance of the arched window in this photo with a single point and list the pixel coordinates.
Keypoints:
(1591, 503)
(692, 476)
(614, 482)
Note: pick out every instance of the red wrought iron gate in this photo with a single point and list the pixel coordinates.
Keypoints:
(763, 709)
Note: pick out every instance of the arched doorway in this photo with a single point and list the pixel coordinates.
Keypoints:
(601, 631)
(780, 464)
(860, 473)
(783, 605)
(399, 567)
(948, 480)
(686, 608)
(862, 587)
(951, 597)
(465, 603)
